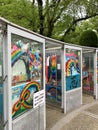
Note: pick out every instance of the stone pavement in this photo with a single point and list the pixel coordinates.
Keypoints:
(83, 118)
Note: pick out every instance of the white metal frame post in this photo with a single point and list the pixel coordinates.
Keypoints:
(9, 78)
(25, 34)
(5, 78)
(44, 83)
(62, 76)
(95, 75)
(64, 80)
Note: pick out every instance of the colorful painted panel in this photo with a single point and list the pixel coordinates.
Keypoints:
(27, 73)
(22, 97)
(72, 82)
(54, 69)
(29, 62)
(51, 68)
(73, 76)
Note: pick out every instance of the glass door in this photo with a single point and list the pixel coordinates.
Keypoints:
(53, 76)
(88, 72)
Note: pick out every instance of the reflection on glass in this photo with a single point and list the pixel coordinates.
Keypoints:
(21, 68)
(53, 75)
(72, 69)
(88, 72)
(26, 59)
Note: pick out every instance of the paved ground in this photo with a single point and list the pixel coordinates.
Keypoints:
(53, 115)
(84, 118)
(82, 122)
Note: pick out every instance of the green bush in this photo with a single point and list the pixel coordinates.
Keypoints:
(89, 38)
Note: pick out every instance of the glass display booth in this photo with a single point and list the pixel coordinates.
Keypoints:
(73, 78)
(63, 74)
(89, 71)
(22, 74)
(27, 75)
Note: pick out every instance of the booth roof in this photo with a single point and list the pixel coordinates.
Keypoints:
(49, 42)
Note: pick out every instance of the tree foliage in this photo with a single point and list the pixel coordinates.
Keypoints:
(21, 12)
(89, 38)
(77, 11)
(74, 36)
(53, 18)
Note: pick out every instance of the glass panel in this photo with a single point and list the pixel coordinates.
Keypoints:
(73, 67)
(88, 72)
(27, 72)
(1, 83)
(53, 75)
(97, 67)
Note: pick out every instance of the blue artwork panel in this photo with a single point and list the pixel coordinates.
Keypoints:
(73, 71)
(72, 82)
(53, 92)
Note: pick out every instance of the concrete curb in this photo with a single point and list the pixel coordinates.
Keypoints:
(71, 115)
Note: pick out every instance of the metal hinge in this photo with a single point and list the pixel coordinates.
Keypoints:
(5, 123)
(4, 78)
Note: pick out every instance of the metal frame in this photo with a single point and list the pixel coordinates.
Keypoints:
(63, 81)
(3, 40)
(17, 31)
(95, 74)
(80, 88)
(5, 81)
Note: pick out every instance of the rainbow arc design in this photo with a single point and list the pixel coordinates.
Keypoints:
(15, 55)
(69, 64)
(24, 96)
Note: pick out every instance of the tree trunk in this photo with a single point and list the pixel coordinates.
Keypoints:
(41, 17)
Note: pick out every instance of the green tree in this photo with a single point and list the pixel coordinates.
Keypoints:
(89, 38)
(74, 35)
(54, 18)
(21, 12)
